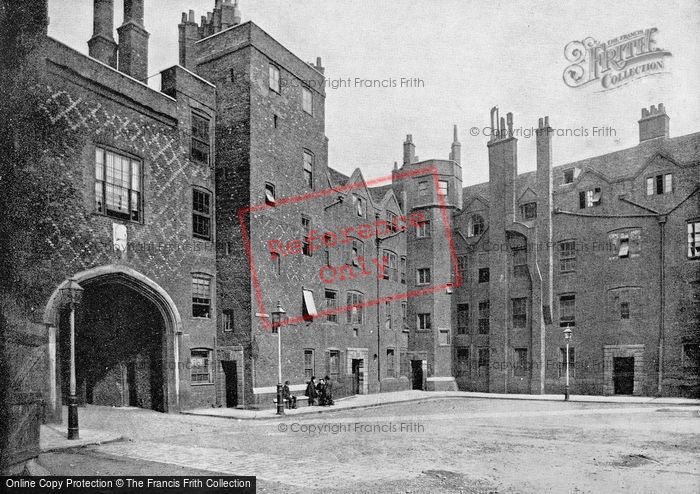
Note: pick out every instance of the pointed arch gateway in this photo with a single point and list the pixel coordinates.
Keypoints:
(127, 348)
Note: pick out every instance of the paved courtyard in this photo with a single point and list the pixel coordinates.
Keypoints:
(447, 445)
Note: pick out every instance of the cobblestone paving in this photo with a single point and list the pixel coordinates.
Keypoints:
(295, 471)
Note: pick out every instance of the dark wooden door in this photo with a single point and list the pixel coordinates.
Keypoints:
(231, 378)
(623, 375)
(417, 373)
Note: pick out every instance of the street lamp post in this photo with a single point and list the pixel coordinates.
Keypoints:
(277, 316)
(567, 337)
(72, 294)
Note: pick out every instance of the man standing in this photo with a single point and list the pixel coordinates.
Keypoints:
(288, 397)
(328, 391)
(311, 391)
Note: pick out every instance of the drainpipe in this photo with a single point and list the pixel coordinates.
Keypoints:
(662, 288)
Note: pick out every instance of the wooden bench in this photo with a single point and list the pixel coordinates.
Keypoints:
(299, 400)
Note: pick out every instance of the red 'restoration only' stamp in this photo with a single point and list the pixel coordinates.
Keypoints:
(315, 239)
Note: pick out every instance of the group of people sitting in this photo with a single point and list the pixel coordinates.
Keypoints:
(321, 391)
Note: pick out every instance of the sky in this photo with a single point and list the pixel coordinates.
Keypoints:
(468, 55)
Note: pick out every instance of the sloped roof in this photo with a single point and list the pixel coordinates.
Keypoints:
(379, 192)
(616, 165)
(336, 177)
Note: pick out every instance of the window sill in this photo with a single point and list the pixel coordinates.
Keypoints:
(201, 384)
(203, 318)
(118, 218)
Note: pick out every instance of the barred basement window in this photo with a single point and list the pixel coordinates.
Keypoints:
(484, 317)
(354, 300)
(200, 142)
(390, 363)
(274, 78)
(694, 239)
(462, 318)
(201, 214)
(331, 297)
(200, 370)
(201, 296)
(519, 313)
(529, 210)
(424, 322)
(567, 256)
(567, 310)
(118, 189)
(309, 363)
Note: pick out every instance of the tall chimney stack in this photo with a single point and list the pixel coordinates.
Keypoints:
(409, 151)
(654, 123)
(102, 45)
(133, 42)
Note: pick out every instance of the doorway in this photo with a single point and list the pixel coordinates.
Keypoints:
(231, 380)
(119, 348)
(623, 375)
(417, 373)
(357, 365)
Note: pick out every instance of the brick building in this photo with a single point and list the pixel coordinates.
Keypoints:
(171, 203)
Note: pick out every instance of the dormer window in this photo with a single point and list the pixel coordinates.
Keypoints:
(569, 176)
(660, 184)
(589, 198)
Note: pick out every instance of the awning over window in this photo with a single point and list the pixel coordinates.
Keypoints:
(309, 304)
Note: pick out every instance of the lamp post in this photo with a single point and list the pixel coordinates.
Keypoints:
(567, 337)
(72, 294)
(277, 316)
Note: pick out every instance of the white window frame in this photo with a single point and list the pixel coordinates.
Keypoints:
(274, 78)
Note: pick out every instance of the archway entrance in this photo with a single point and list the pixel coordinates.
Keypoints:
(120, 347)
(127, 343)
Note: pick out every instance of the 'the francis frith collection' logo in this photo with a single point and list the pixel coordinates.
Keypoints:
(616, 62)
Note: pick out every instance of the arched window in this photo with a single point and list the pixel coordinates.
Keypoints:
(476, 225)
